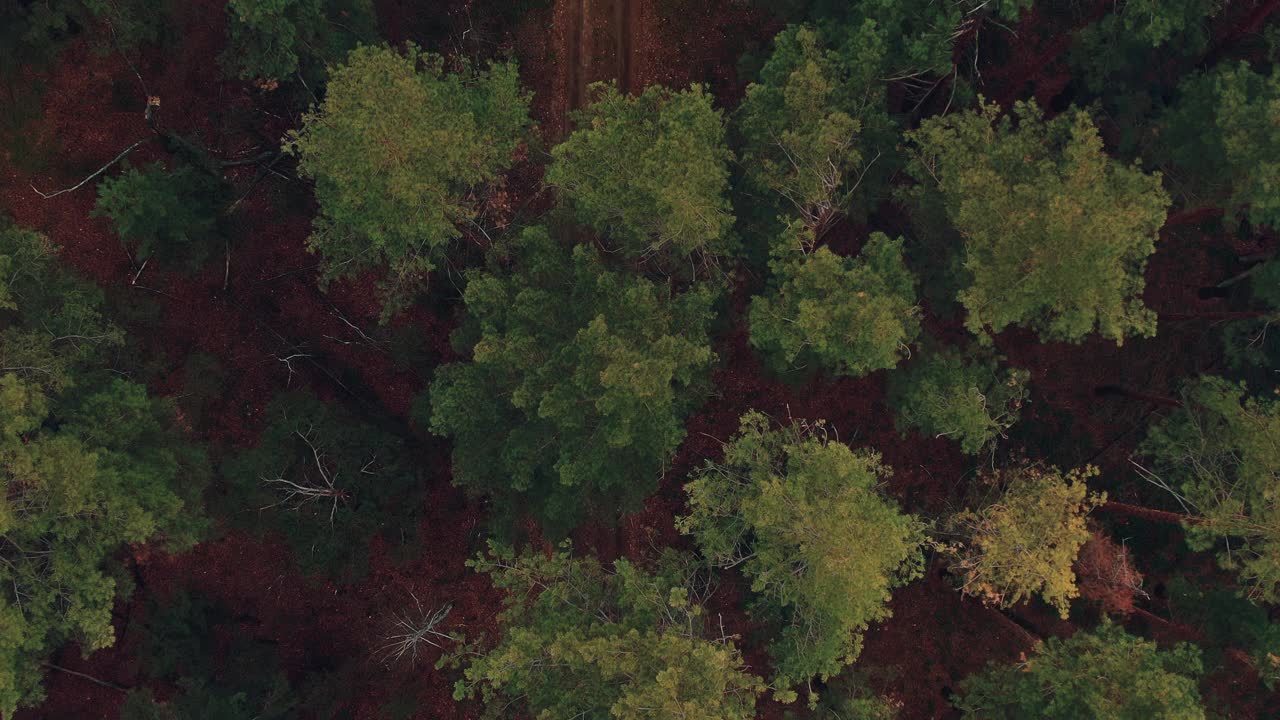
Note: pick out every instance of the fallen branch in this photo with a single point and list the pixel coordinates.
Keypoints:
(99, 171)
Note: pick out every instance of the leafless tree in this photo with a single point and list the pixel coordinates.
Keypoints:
(411, 630)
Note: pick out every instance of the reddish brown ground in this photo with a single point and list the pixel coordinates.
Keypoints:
(270, 308)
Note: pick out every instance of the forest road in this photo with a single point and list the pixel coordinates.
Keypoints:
(595, 44)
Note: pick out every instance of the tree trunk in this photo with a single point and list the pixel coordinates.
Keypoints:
(1119, 391)
(1160, 516)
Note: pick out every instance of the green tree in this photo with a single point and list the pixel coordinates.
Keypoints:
(169, 214)
(1220, 456)
(919, 34)
(273, 40)
(579, 641)
(88, 463)
(1025, 541)
(805, 519)
(965, 396)
(1105, 673)
(650, 172)
(1056, 233)
(399, 150)
(328, 481)
(852, 314)
(810, 123)
(579, 382)
(1220, 134)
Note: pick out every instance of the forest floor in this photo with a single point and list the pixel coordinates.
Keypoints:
(259, 303)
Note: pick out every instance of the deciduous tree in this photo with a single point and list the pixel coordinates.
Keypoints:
(400, 150)
(87, 462)
(1056, 233)
(1104, 673)
(1024, 542)
(272, 41)
(1220, 134)
(1219, 454)
(854, 315)
(805, 519)
(814, 125)
(579, 382)
(170, 214)
(649, 171)
(965, 396)
(579, 641)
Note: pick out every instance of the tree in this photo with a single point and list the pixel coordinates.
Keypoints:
(1056, 234)
(919, 34)
(1219, 133)
(1219, 455)
(399, 150)
(650, 172)
(964, 396)
(579, 641)
(804, 518)
(579, 382)
(809, 125)
(171, 215)
(88, 464)
(854, 315)
(328, 481)
(1104, 673)
(273, 40)
(1025, 542)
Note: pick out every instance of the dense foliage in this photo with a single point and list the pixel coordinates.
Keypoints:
(669, 198)
(400, 149)
(89, 462)
(1056, 233)
(1024, 542)
(1219, 455)
(276, 40)
(1106, 673)
(811, 121)
(578, 640)
(172, 215)
(961, 395)
(804, 518)
(579, 381)
(853, 315)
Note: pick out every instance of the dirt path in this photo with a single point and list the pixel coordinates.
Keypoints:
(591, 41)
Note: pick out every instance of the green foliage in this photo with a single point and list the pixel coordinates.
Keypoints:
(328, 481)
(1025, 542)
(1056, 233)
(1220, 454)
(811, 121)
(88, 463)
(919, 34)
(1103, 49)
(650, 172)
(579, 383)
(804, 518)
(272, 40)
(1221, 133)
(169, 214)
(962, 395)
(1105, 673)
(853, 315)
(399, 150)
(579, 641)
